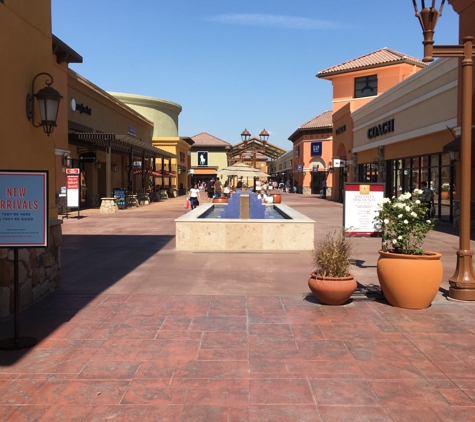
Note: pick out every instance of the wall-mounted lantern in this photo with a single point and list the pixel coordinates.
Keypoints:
(114, 166)
(48, 103)
(67, 160)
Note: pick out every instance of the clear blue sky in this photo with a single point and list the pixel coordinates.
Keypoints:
(235, 64)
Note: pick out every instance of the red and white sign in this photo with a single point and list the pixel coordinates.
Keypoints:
(360, 205)
(72, 187)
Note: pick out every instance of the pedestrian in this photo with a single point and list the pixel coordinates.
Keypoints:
(323, 191)
(210, 189)
(193, 196)
(217, 188)
(287, 186)
(427, 197)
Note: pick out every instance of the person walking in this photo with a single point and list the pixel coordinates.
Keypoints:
(323, 191)
(427, 197)
(193, 196)
(217, 188)
(210, 189)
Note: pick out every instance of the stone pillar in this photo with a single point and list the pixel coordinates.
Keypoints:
(244, 212)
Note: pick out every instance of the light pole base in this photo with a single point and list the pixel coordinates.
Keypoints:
(462, 283)
(466, 294)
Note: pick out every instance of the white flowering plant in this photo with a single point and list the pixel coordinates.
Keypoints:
(404, 223)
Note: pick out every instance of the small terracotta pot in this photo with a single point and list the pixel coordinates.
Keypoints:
(410, 281)
(277, 197)
(332, 290)
(220, 200)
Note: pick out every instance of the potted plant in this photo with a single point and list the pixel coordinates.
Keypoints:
(409, 276)
(332, 283)
(444, 194)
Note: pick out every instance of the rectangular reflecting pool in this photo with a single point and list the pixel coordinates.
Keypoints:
(287, 230)
(272, 212)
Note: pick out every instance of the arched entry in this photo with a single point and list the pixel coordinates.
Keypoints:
(317, 169)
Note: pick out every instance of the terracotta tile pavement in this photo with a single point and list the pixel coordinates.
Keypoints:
(124, 352)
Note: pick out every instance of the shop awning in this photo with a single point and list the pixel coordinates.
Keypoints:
(149, 172)
(119, 143)
(455, 144)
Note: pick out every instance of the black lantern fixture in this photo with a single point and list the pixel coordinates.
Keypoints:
(114, 166)
(245, 135)
(98, 164)
(264, 136)
(67, 160)
(48, 103)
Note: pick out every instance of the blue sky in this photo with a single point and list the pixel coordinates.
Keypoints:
(235, 64)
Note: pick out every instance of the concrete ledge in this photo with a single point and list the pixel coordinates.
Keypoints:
(194, 233)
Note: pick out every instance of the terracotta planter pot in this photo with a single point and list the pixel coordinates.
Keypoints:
(410, 281)
(444, 195)
(220, 200)
(332, 290)
(277, 198)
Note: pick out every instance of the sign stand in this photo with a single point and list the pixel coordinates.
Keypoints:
(17, 342)
(24, 224)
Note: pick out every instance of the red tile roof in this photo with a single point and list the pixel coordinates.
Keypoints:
(323, 120)
(383, 57)
(204, 139)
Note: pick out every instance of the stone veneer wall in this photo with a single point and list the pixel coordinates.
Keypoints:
(39, 271)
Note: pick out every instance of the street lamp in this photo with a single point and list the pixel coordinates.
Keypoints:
(462, 283)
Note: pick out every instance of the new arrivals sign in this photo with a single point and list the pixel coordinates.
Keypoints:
(23, 208)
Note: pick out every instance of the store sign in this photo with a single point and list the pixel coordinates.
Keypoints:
(23, 208)
(338, 163)
(80, 107)
(316, 148)
(360, 206)
(132, 131)
(341, 129)
(202, 158)
(72, 188)
(381, 129)
(88, 157)
(299, 167)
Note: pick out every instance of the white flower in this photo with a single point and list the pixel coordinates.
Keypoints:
(417, 201)
(418, 191)
(413, 214)
(429, 222)
(406, 222)
(394, 241)
(386, 200)
(399, 216)
(400, 237)
(408, 208)
(386, 221)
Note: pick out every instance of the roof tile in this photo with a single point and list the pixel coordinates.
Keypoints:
(204, 139)
(383, 57)
(322, 120)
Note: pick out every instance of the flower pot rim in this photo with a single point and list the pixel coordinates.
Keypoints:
(313, 274)
(427, 255)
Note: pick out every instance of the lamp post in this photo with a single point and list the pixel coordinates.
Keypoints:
(462, 283)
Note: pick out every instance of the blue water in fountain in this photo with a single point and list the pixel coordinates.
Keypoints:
(233, 208)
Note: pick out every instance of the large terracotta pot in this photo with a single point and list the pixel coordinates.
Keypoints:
(332, 290)
(444, 195)
(277, 198)
(410, 281)
(220, 200)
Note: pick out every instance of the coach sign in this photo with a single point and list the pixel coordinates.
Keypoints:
(23, 208)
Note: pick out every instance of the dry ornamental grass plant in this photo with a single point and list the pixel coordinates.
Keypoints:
(332, 255)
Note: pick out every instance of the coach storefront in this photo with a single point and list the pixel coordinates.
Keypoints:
(399, 137)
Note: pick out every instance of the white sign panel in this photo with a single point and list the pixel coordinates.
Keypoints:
(72, 188)
(360, 204)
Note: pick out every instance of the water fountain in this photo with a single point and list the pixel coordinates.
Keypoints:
(244, 224)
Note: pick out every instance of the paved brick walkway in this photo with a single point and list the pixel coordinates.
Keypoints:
(140, 331)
